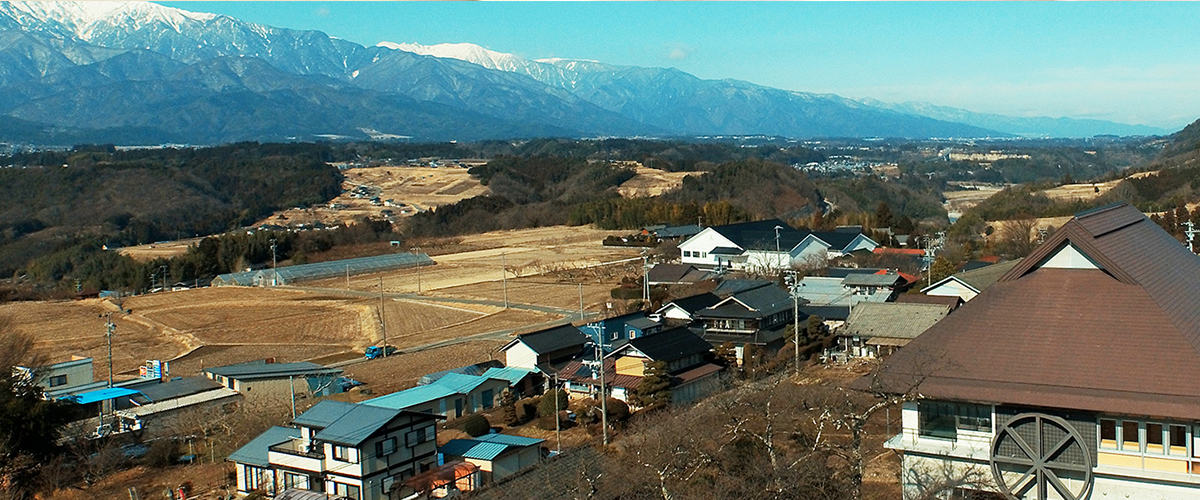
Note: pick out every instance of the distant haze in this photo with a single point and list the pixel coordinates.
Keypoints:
(1132, 63)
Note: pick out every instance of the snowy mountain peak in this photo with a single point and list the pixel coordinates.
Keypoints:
(468, 52)
(82, 20)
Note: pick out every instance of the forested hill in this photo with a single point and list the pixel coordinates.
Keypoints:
(52, 199)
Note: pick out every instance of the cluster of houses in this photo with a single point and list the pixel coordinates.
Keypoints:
(1063, 375)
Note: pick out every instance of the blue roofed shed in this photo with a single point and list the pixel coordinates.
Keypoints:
(497, 455)
(452, 396)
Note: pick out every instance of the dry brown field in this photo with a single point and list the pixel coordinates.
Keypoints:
(162, 250)
(395, 373)
(418, 188)
(61, 329)
(652, 182)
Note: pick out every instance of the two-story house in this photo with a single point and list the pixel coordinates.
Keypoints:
(686, 354)
(757, 316)
(1072, 376)
(361, 452)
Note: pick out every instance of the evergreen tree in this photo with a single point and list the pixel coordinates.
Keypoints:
(883, 215)
(726, 355)
(546, 406)
(508, 403)
(655, 389)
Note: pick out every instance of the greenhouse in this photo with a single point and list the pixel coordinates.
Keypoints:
(320, 270)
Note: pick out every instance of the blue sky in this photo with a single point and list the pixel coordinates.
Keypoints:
(1133, 62)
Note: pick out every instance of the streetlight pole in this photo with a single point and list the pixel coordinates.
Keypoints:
(382, 323)
(645, 279)
(274, 265)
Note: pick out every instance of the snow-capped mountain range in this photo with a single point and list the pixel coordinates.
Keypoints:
(142, 72)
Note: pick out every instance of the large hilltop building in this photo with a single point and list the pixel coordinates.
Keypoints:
(1072, 377)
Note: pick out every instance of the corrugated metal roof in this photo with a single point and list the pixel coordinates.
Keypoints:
(255, 452)
(177, 388)
(671, 344)
(510, 374)
(357, 425)
(323, 413)
(259, 369)
(470, 448)
(410, 398)
(553, 339)
(510, 439)
(101, 395)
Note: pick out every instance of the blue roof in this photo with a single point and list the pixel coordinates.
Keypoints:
(486, 447)
(255, 452)
(357, 425)
(323, 413)
(101, 395)
(510, 440)
(460, 383)
(511, 374)
(411, 397)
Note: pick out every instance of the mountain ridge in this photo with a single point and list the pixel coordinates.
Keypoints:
(73, 64)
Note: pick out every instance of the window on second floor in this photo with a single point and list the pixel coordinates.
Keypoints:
(58, 380)
(943, 420)
(341, 453)
(385, 447)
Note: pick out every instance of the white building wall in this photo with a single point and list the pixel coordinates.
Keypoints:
(953, 288)
(702, 244)
(1069, 257)
(521, 355)
(861, 242)
(809, 252)
(762, 261)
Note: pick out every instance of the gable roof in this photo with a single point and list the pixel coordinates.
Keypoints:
(753, 303)
(409, 398)
(325, 412)
(255, 452)
(951, 301)
(887, 279)
(693, 303)
(358, 424)
(670, 345)
(669, 273)
(551, 339)
(893, 319)
(836, 240)
(175, 388)
(760, 235)
(979, 279)
(261, 369)
(1055, 337)
(730, 287)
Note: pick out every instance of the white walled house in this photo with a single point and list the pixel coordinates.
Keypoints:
(768, 245)
(359, 452)
(543, 348)
(1072, 376)
(968, 284)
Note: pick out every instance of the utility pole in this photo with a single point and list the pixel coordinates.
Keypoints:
(645, 279)
(557, 425)
(504, 277)
(110, 329)
(382, 323)
(598, 365)
(164, 276)
(795, 291)
(581, 316)
(274, 265)
(347, 277)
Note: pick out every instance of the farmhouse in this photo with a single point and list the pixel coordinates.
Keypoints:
(264, 379)
(879, 328)
(754, 317)
(350, 450)
(541, 349)
(683, 311)
(686, 354)
(1073, 376)
(451, 396)
(967, 284)
(768, 244)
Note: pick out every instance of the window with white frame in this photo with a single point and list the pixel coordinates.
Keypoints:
(341, 453)
(347, 490)
(1150, 438)
(293, 480)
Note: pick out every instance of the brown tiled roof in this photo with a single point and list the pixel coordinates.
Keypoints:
(1122, 339)
(951, 301)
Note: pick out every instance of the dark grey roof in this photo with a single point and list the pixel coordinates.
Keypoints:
(175, 389)
(671, 344)
(255, 452)
(261, 369)
(730, 287)
(641, 323)
(766, 299)
(358, 424)
(677, 231)
(725, 251)
(842, 272)
(323, 413)
(760, 235)
(696, 302)
(972, 265)
(554, 339)
(826, 312)
(873, 280)
(669, 273)
(836, 240)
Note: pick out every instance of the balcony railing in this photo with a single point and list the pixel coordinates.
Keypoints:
(296, 447)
